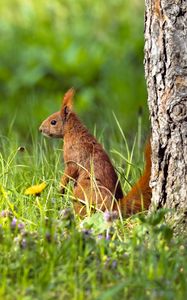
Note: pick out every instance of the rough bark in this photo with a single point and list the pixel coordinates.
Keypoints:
(166, 77)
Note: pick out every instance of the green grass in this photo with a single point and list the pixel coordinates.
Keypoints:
(48, 253)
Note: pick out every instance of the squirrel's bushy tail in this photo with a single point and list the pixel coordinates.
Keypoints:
(139, 197)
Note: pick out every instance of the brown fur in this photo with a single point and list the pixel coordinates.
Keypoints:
(95, 180)
(139, 197)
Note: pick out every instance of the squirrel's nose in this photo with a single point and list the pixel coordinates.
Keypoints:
(40, 128)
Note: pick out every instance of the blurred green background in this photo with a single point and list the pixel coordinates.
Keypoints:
(48, 46)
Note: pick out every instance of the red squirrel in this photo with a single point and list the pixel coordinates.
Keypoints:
(96, 184)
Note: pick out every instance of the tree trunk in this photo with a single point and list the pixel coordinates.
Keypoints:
(166, 76)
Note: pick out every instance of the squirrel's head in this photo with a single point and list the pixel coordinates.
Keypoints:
(53, 126)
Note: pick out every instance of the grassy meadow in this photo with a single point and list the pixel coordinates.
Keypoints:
(46, 252)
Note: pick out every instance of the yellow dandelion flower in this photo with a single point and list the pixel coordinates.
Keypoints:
(35, 189)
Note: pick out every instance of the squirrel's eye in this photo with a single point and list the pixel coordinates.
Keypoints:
(53, 122)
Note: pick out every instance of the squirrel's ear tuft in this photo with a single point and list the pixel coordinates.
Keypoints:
(68, 99)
